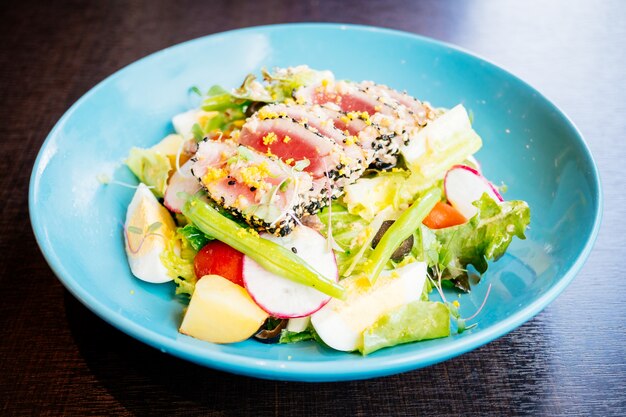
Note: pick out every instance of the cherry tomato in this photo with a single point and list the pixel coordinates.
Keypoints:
(217, 258)
(443, 215)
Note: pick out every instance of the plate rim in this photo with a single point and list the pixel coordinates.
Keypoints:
(311, 370)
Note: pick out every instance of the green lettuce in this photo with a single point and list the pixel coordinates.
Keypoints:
(351, 234)
(150, 167)
(178, 260)
(368, 196)
(196, 238)
(283, 81)
(419, 320)
(485, 237)
(294, 337)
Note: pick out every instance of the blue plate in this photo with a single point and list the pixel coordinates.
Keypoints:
(529, 145)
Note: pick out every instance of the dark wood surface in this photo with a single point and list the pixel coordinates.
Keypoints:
(57, 358)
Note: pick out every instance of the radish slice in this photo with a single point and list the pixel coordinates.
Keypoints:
(282, 297)
(464, 185)
(181, 181)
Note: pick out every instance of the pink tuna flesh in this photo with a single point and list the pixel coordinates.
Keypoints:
(269, 136)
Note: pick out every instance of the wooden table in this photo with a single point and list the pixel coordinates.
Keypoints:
(57, 358)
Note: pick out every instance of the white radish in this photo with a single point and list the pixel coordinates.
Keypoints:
(282, 297)
(181, 182)
(464, 185)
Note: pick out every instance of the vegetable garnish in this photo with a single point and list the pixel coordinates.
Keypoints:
(270, 255)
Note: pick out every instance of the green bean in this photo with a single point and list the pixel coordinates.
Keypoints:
(269, 255)
(401, 229)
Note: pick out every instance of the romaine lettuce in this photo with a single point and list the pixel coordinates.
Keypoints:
(150, 167)
(485, 237)
(368, 196)
(419, 320)
(178, 259)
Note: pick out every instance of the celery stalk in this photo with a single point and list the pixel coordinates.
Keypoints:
(269, 255)
(401, 229)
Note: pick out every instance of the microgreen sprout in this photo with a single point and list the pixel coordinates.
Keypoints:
(453, 306)
(104, 179)
(150, 231)
(198, 133)
(195, 90)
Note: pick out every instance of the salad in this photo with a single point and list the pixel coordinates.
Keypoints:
(301, 207)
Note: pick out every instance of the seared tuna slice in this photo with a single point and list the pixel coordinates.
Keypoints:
(421, 112)
(349, 97)
(322, 121)
(264, 191)
(384, 120)
(294, 142)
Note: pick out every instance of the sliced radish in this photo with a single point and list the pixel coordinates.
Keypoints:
(181, 182)
(464, 185)
(282, 297)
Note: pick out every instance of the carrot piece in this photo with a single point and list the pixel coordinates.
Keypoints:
(443, 215)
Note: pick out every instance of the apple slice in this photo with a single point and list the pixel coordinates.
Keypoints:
(221, 311)
(464, 185)
(282, 297)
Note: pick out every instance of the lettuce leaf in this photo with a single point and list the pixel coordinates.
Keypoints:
(283, 81)
(351, 233)
(150, 167)
(196, 238)
(178, 259)
(368, 196)
(279, 84)
(293, 337)
(485, 237)
(419, 320)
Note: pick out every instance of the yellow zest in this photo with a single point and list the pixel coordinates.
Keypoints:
(213, 174)
(289, 161)
(254, 176)
(269, 138)
(345, 160)
(286, 139)
(266, 114)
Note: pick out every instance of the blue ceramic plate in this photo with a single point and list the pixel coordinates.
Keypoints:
(529, 145)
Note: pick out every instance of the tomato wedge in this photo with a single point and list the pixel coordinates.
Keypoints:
(217, 258)
(443, 215)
